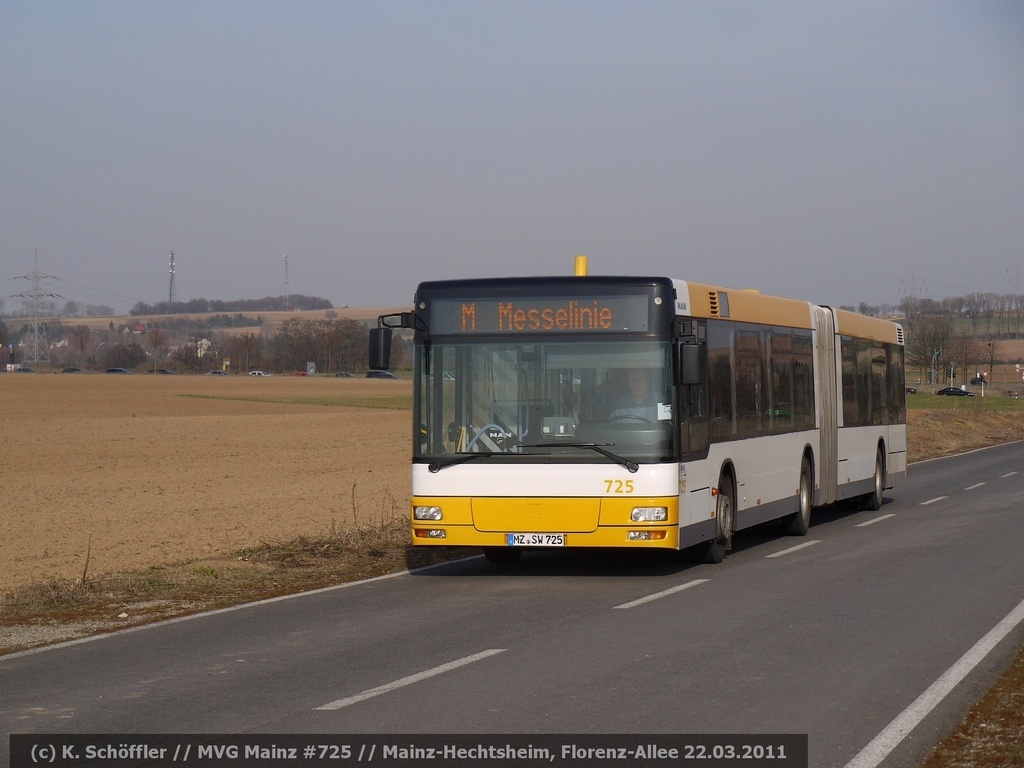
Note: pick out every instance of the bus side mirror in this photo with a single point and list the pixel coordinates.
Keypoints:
(380, 348)
(380, 338)
(691, 369)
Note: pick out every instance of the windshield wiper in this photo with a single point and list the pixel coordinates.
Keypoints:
(459, 458)
(631, 466)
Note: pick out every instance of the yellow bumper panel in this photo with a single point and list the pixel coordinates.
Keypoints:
(556, 515)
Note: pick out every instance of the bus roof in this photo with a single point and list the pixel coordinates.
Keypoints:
(548, 285)
(861, 326)
(743, 306)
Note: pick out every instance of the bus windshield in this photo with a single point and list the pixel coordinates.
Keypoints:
(565, 401)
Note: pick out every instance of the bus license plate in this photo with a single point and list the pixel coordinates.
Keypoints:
(535, 539)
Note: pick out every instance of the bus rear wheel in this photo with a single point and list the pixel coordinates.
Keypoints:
(873, 501)
(800, 521)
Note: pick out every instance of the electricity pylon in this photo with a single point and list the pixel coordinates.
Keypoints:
(37, 350)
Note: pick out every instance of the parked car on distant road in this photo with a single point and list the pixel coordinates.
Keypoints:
(216, 372)
(24, 369)
(72, 370)
(164, 371)
(118, 370)
(258, 373)
(376, 374)
(955, 392)
(911, 390)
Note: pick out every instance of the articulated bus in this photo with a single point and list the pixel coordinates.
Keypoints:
(640, 412)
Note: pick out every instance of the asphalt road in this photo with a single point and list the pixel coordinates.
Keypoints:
(872, 635)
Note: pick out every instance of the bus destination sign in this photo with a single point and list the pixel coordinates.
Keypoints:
(540, 315)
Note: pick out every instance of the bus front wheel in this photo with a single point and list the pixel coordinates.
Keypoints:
(725, 511)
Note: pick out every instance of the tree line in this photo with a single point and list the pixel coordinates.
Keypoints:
(203, 306)
(957, 337)
(333, 345)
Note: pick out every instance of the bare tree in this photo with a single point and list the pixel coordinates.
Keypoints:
(248, 349)
(81, 335)
(158, 341)
(1016, 311)
(962, 353)
(129, 355)
(928, 343)
(333, 345)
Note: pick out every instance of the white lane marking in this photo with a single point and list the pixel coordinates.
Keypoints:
(401, 683)
(797, 548)
(885, 742)
(876, 520)
(665, 593)
(972, 487)
(1009, 474)
(932, 501)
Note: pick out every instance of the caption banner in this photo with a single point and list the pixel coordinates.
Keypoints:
(409, 751)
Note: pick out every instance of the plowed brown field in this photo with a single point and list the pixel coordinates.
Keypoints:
(139, 470)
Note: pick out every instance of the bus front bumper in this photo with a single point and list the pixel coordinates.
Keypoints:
(649, 522)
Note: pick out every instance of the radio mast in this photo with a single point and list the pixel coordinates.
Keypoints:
(172, 293)
(287, 296)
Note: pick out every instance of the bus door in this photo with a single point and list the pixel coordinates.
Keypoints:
(691, 382)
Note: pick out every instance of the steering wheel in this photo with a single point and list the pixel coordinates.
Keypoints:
(628, 417)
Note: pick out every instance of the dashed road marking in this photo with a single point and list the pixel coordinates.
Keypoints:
(664, 593)
(797, 548)
(401, 683)
(875, 520)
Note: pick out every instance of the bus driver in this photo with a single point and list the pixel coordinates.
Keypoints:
(640, 401)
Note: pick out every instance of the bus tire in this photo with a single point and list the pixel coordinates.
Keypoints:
(799, 522)
(873, 501)
(725, 518)
(502, 555)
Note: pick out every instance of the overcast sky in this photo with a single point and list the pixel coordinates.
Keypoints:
(834, 151)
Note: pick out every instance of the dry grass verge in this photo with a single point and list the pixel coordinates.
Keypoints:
(55, 610)
(992, 734)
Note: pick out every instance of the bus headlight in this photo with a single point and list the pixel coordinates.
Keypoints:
(427, 513)
(649, 514)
